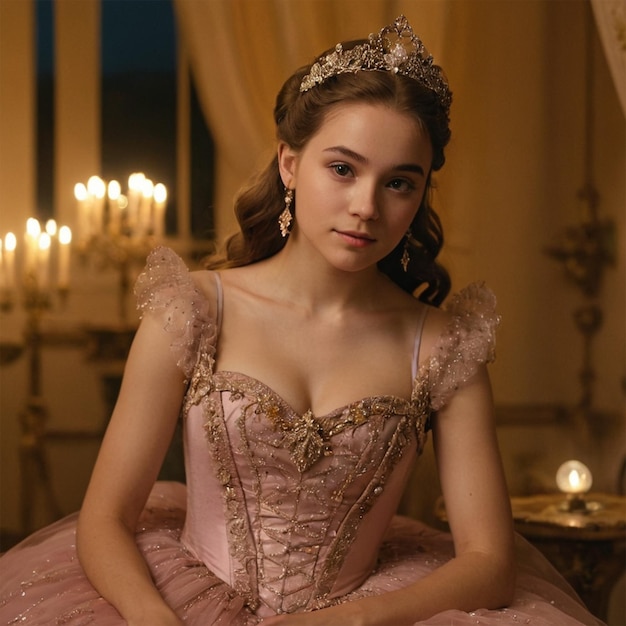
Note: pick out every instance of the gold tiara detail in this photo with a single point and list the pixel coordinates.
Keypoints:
(396, 48)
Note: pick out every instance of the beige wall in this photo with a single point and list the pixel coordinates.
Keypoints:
(509, 189)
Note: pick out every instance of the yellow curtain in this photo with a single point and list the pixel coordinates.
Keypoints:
(610, 16)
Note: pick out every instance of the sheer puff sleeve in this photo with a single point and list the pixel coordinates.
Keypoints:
(467, 342)
(165, 288)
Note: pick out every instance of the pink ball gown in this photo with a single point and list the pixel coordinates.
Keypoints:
(281, 512)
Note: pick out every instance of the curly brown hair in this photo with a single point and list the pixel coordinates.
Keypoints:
(298, 116)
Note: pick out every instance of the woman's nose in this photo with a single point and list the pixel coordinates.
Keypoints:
(365, 203)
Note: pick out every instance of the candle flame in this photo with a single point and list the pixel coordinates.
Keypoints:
(10, 242)
(114, 189)
(43, 241)
(135, 181)
(160, 193)
(96, 187)
(65, 235)
(51, 228)
(574, 479)
(80, 191)
(147, 188)
(33, 227)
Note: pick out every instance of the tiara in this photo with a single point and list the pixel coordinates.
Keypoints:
(396, 48)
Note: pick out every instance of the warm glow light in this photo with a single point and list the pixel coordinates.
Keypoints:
(122, 201)
(10, 242)
(65, 235)
(80, 191)
(160, 193)
(114, 189)
(96, 187)
(135, 181)
(51, 228)
(574, 477)
(33, 227)
(147, 188)
(43, 242)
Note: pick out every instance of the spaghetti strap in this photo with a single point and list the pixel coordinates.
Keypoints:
(220, 303)
(418, 341)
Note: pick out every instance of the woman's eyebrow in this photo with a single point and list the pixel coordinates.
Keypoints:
(347, 152)
(410, 167)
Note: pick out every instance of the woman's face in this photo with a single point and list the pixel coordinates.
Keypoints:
(358, 182)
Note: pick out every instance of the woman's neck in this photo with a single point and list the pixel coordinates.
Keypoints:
(309, 281)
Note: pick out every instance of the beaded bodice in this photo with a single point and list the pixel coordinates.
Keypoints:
(289, 508)
(297, 487)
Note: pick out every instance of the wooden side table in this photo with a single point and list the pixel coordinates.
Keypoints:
(588, 547)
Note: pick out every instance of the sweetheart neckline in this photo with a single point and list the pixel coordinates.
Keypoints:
(324, 417)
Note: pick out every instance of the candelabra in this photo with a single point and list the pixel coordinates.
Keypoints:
(34, 293)
(118, 230)
(34, 417)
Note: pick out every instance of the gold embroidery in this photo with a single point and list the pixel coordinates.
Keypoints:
(291, 527)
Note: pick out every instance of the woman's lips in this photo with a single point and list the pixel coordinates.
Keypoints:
(356, 239)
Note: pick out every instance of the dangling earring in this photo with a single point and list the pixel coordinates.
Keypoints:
(284, 221)
(406, 257)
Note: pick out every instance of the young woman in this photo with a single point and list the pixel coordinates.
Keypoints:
(309, 363)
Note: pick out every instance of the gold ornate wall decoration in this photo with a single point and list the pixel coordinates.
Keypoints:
(585, 250)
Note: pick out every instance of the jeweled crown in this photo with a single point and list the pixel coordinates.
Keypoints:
(396, 48)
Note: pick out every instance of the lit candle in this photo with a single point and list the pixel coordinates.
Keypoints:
(33, 230)
(122, 203)
(43, 260)
(65, 238)
(97, 190)
(135, 187)
(573, 477)
(10, 243)
(3, 277)
(160, 196)
(80, 193)
(114, 191)
(145, 207)
(51, 228)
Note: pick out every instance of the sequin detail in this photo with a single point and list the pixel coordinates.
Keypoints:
(166, 288)
(468, 341)
(290, 548)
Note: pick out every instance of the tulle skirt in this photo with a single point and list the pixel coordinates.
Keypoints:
(42, 581)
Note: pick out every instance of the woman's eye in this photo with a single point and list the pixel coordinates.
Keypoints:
(341, 169)
(401, 184)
